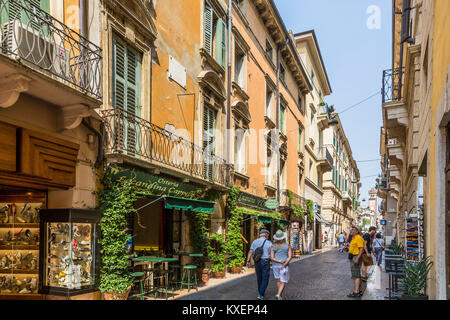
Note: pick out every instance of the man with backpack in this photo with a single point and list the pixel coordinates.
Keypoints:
(260, 251)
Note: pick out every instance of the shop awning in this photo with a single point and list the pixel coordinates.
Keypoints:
(283, 222)
(264, 219)
(321, 219)
(186, 204)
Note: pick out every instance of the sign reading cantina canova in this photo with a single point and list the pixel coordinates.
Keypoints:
(249, 200)
(157, 185)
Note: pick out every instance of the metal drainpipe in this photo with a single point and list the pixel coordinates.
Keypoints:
(230, 26)
(277, 134)
(84, 34)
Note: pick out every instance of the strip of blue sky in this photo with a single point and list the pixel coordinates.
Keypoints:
(355, 41)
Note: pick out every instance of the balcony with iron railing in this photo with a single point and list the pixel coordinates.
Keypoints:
(324, 158)
(287, 200)
(137, 140)
(61, 66)
(393, 98)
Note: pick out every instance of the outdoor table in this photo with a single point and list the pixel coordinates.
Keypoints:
(152, 261)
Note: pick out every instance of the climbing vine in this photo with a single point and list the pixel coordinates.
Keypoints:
(199, 234)
(116, 201)
(310, 210)
(234, 243)
(216, 252)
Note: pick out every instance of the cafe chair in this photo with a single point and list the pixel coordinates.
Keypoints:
(189, 279)
(138, 278)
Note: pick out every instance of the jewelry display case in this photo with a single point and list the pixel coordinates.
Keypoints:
(68, 251)
(19, 247)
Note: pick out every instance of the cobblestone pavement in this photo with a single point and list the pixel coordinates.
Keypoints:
(325, 276)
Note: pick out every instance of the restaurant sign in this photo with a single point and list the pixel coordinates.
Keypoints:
(250, 200)
(272, 204)
(156, 185)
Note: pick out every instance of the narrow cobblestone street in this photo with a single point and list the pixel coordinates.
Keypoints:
(325, 276)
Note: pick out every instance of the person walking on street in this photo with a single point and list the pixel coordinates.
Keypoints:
(336, 238)
(260, 251)
(367, 255)
(281, 255)
(341, 241)
(355, 252)
(378, 247)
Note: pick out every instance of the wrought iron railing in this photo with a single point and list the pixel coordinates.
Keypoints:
(38, 40)
(393, 85)
(133, 136)
(287, 201)
(324, 154)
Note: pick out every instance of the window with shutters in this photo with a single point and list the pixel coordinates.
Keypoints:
(215, 35)
(241, 5)
(240, 150)
(239, 66)
(282, 73)
(14, 10)
(126, 93)
(209, 126)
(299, 140)
(283, 118)
(269, 101)
(269, 165)
(282, 174)
(269, 50)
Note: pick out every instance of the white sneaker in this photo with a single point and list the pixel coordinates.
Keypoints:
(278, 297)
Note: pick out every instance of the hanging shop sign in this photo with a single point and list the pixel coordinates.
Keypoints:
(272, 204)
(295, 236)
(157, 185)
(250, 200)
(283, 222)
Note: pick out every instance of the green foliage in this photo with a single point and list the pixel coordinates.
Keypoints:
(310, 210)
(290, 197)
(397, 248)
(116, 202)
(216, 252)
(416, 275)
(199, 234)
(234, 243)
(299, 211)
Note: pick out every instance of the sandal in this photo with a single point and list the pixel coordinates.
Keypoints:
(353, 295)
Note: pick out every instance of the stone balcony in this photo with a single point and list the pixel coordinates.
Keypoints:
(395, 152)
(324, 158)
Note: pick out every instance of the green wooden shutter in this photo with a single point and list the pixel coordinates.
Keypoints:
(282, 118)
(221, 42)
(208, 29)
(334, 169)
(126, 97)
(209, 124)
(299, 140)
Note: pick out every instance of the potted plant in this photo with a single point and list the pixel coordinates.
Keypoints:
(216, 255)
(416, 275)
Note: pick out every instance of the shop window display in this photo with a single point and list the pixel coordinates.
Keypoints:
(68, 251)
(19, 247)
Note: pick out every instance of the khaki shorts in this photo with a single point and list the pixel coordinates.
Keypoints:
(355, 269)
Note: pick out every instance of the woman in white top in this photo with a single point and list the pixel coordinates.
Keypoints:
(378, 246)
(281, 255)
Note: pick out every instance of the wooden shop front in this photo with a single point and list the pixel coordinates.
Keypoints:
(31, 165)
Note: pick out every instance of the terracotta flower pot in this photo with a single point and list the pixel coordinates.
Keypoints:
(113, 295)
(219, 274)
(235, 269)
(203, 275)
